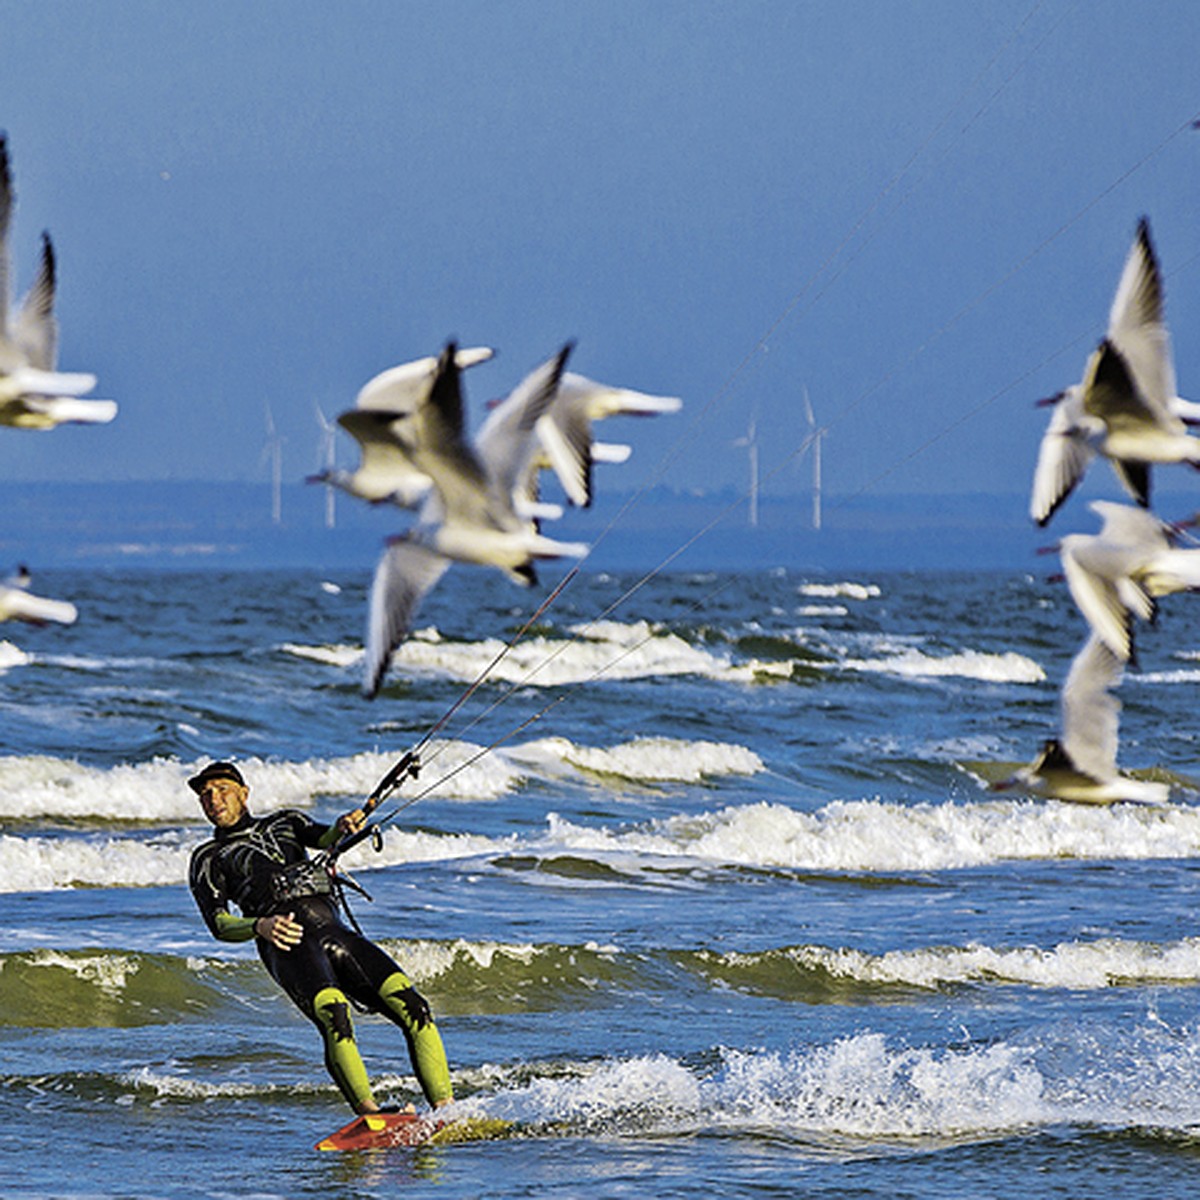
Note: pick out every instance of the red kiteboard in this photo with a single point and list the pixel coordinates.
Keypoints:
(378, 1131)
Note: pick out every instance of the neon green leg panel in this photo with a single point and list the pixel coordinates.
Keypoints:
(342, 1059)
(407, 1007)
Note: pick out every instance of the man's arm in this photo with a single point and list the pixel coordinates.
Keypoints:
(209, 894)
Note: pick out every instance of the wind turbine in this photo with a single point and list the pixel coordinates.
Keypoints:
(273, 449)
(750, 441)
(327, 456)
(815, 435)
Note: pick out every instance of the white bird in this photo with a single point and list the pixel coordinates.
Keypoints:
(386, 472)
(17, 603)
(1081, 764)
(1119, 573)
(470, 515)
(33, 395)
(1126, 407)
(565, 431)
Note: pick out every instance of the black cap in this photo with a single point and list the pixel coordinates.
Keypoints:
(217, 770)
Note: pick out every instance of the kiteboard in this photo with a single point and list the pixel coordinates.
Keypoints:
(386, 1130)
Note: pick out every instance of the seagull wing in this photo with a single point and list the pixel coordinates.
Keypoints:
(1110, 392)
(1094, 591)
(6, 208)
(1137, 324)
(506, 441)
(1124, 525)
(603, 400)
(565, 433)
(36, 329)
(406, 571)
(1063, 457)
(1090, 713)
(403, 389)
(435, 437)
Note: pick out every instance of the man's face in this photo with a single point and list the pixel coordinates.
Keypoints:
(224, 802)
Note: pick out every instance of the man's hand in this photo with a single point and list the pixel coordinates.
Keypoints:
(283, 931)
(351, 822)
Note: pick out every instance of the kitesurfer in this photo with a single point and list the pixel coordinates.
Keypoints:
(261, 865)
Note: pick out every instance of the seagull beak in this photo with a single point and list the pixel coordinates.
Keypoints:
(1048, 401)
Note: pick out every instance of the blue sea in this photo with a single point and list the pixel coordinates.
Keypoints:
(702, 882)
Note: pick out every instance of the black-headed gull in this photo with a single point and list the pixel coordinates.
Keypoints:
(386, 472)
(33, 395)
(1120, 572)
(1126, 407)
(1081, 764)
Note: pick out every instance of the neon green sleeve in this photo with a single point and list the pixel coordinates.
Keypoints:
(234, 929)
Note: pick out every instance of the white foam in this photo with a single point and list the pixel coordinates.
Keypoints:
(156, 791)
(875, 836)
(856, 1087)
(843, 836)
(834, 591)
(600, 651)
(36, 864)
(330, 656)
(1095, 965)
(1009, 667)
(646, 760)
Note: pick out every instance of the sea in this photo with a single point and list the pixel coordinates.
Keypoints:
(700, 876)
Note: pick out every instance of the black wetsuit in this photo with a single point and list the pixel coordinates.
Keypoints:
(248, 865)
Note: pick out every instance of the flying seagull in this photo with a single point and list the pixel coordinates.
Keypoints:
(33, 395)
(1081, 764)
(1126, 406)
(1120, 572)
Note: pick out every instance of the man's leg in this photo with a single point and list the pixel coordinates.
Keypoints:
(409, 1009)
(331, 1011)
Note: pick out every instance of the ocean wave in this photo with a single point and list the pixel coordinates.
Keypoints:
(862, 1090)
(870, 836)
(644, 760)
(876, 836)
(858, 1094)
(39, 787)
(822, 610)
(820, 973)
(1009, 667)
(598, 651)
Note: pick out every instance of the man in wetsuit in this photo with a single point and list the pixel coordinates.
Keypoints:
(261, 865)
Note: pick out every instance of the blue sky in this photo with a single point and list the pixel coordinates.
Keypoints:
(917, 211)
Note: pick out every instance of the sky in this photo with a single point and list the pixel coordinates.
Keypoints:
(914, 212)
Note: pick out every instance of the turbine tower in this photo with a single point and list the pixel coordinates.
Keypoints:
(815, 435)
(327, 455)
(750, 441)
(273, 450)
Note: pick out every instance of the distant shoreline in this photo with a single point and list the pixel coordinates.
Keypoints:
(194, 526)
